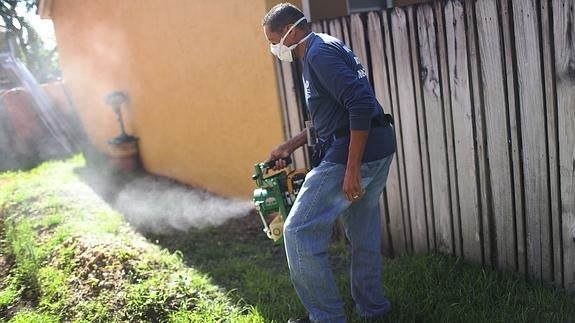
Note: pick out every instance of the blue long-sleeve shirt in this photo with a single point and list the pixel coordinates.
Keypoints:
(339, 96)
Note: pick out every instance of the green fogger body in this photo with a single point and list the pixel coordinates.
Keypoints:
(275, 195)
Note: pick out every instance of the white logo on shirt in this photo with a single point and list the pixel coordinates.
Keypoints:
(307, 89)
(361, 74)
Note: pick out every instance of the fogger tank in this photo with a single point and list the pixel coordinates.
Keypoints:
(275, 196)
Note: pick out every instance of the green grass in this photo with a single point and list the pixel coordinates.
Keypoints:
(9, 295)
(30, 316)
(75, 259)
(424, 288)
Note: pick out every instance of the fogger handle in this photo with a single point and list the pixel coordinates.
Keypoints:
(272, 163)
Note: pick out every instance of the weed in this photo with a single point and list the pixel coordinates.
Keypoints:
(33, 316)
(52, 220)
(55, 296)
(8, 296)
(21, 238)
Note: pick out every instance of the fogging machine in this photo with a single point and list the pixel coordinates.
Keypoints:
(275, 194)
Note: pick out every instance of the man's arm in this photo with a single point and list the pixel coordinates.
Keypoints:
(352, 180)
(350, 89)
(286, 148)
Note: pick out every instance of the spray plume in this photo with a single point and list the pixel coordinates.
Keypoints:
(160, 206)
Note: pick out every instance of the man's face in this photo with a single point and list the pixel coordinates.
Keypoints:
(275, 37)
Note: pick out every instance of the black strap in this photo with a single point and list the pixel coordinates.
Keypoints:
(380, 121)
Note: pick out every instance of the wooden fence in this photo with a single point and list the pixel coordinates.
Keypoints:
(483, 96)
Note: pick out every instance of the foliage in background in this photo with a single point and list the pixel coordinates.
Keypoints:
(18, 36)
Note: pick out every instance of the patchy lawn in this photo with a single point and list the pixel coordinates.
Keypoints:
(86, 245)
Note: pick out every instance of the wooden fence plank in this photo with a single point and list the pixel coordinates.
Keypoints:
(564, 36)
(398, 167)
(379, 70)
(409, 126)
(386, 242)
(444, 78)
(480, 140)
(317, 27)
(463, 125)
(551, 116)
(495, 118)
(293, 112)
(335, 29)
(380, 86)
(393, 226)
(358, 41)
(533, 134)
(283, 98)
(346, 35)
(515, 151)
(422, 129)
(434, 116)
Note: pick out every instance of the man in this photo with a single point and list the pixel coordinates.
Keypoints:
(353, 153)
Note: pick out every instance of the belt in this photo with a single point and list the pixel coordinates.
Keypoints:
(381, 121)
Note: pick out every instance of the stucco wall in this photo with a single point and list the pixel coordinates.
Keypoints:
(203, 93)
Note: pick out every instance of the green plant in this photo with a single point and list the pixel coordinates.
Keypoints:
(8, 296)
(54, 291)
(29, 46)
(33, 316)
(21, 238)
(94, 311)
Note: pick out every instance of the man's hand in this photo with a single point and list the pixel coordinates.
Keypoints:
(285, 149)
(278, 154)
(352, 184)
(352, 180)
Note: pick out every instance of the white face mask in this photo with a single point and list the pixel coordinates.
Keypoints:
(282, 51)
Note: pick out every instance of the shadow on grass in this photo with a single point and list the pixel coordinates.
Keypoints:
(237, 255)
(239, 258)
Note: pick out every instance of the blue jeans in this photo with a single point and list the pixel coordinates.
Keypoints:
(307, 235)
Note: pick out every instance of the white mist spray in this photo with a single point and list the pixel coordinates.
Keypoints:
(161, 206)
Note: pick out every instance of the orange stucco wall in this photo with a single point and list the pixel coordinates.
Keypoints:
(201, 80)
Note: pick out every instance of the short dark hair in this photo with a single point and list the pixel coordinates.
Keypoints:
(282, 15)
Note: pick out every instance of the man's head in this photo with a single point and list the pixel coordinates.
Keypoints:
(282, 15)
(285, 22)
